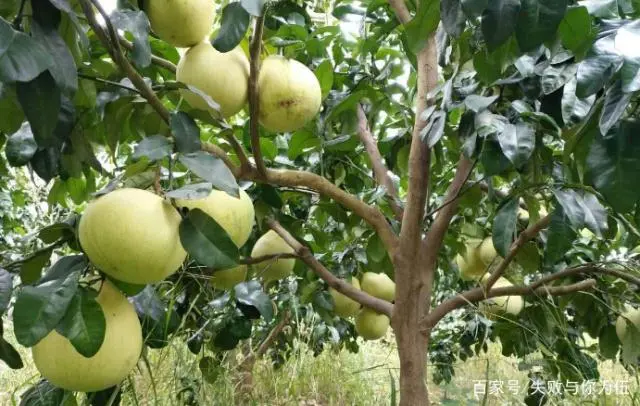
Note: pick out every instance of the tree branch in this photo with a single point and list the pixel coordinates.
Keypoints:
(112, 42)
(254, 102)
(268, 341)
(401, 10)
(538, 288)
(220, 153)
(342, 286)
(245, 165)
(380, 171)
(156, 60)
(523, 238)
(262, 258)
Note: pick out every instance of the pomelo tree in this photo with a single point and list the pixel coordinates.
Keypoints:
(435, 142)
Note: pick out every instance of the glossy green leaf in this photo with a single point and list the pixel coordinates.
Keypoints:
(154, 147)
(517, 142)
(206, 241)
(40, 100)
(423, 24)
(84, 323)
(233, 27)
(22, 58)
(63, 68)
(251, 294)
(560, 237)
(21, 146)
(137, 24)
(613, 165)
(191, 192)
(43, 394)
(576, 31)
(583, 209)
(499, 21)
(38, 309)
(601, 64)
(31, 268)
(254, 7)
(608, 342)
(615, 104)
(574, 109)
(9, 355)
(477, 103)
(556, 76)
(453, 18)
(186, 132)
(212, 170)
(504, 226)
(324, 73)
(538, 21)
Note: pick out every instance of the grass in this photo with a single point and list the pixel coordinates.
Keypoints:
(333, 378)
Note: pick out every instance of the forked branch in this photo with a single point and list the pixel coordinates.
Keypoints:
(334, 282)
(380, 171)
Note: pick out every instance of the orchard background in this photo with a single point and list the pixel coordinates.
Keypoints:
(438, 141)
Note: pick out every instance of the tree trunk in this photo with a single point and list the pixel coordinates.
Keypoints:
(412, 299)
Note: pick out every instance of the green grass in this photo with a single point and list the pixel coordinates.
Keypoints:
(333, 378)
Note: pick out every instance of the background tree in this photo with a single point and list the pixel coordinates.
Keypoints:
(440, 120)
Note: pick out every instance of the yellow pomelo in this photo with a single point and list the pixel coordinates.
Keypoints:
(182, 23)
(60, 363)
(630, 315)
(379, 285)
(132, 236)
(470, 264)
(222, 76)
(501, 304)
(269, 244)
(371, 325)
(226, 279)
(343, 306)
(290, 94)
(486, 251)
(235, 215)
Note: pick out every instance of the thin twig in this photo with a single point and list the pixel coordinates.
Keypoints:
(17, 22)
(263, 258)
(245, 165)
(380, 171)
(342, 286)
(254, 101)
(108, 82)
(156, 60)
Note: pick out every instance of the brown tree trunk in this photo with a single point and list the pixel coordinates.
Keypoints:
(411, 305)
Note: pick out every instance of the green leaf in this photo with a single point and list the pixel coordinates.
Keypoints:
(154, 147)
(602, 8)
(492, 158)
(6, 288)
(63, 69)
(423, 25)
(137, 24)
(206, 241)
(613, 165)
(583, 209)
(38, 309)
(434, 130)
(254, 7)
(528, 257)
(375, 248)
(22, 58)
(55, 232)
(602, 62)
(555, 76)
(575, 30)
(129, 289)
(10, 355)
(43, 394)
(517, 142)
(21, 146)
(615, 104)
(478, 103)
(212, 170)
(12, 115)
(324, 73)
(560, 237)
(234, 330)
(40, 101)
(250, 293)
(301, 142)
(186, 132)
(630, 347)
(233, 27)
(84, 323)
(627, 39)
(499, 21)
(608, 342)
(191, 192)
(538, 21)
(209, 368)
(574, 110)
(505, 226)
(157, 319)
(46, 163)
(453, 18)
(31, 269)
